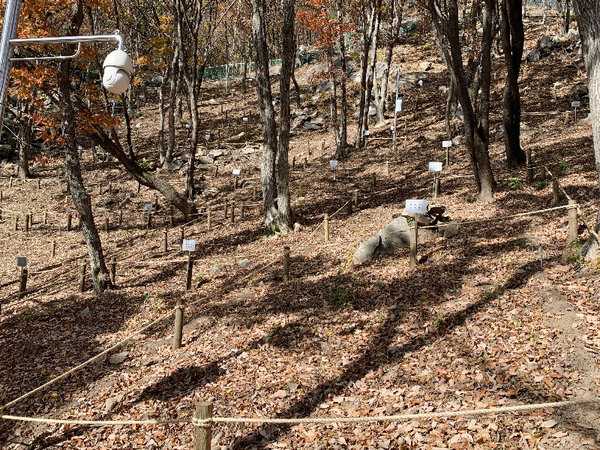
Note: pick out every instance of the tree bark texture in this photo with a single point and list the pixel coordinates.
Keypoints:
(513, 38)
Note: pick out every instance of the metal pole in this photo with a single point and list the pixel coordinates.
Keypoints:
(9, 31)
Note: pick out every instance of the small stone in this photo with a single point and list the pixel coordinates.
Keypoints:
(118, 358)
(244, 263)
(127, 200)
(215, 269)
(425, 65)
(450, 230)
(280, 394)
(297, 227)
(111, 404)
(85, 312)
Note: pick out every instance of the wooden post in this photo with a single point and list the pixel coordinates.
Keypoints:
(82, 278)
(242, 211)
(27, 219)
(149, 223)
(232, 214)
(447, 156)
(413, 244)
(39, 183)
(555, 191)
(16, 223)
(113, 269)
(305, 163)
(156, 202)
(53, 252)
(374, 180)
(79, 222)
(0, 214)
(188, 279)
(286, 264)
(349, 208)
(23, 283)
(203, 432)
(165, 241)
(253, 193)
(11, 182)
(572, 222)
(170, 216)
(107, 224)
(529, 167)
(178, 331)
(138, 190)
(436, 188)
(45, 217)
(356, 199)
(181, 234)
(68, 222)
(326, 226)
(387, 168)
(1, 196)
(294, 162)
(208, 218)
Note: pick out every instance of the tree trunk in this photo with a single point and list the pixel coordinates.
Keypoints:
(288, 59)
(587, 13)
(126, 103)
(267, 113)
(371, 72)
(566, 17)
(513, 37)
(172, 101)
(24, 133)
(161, 118)
(367, 27)
(83, 205)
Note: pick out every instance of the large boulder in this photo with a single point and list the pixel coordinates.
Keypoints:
(391, 238)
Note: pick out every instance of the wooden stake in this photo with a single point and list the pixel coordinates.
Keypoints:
(555, 192)
(447, 156)
(349, 208)
(113, 269)
(178, 331)
(436, 189)
(45, 217)
(188, 279)
(286, 264)
(253, 193)
(413, 244)
(16, 223)
(107, 224)
(242, 211)
(11, 182)
(53, 251)
(156, 202)
(181, 234)
(326, 227)
(170, 216)
(387, 168)
(82, 278)
(530, 176)
(27, 219)
(68, 222)
(23, 282)
(374, 180)
(39, 183)
(356, 199)
(165, 241)
(232, 214)
(572, 222)
(203, 432)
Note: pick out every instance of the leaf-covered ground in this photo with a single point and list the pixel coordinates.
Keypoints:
(501, 314)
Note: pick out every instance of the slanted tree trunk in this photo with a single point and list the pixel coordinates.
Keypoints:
(267, 113)
(587, 13)
(513, 38)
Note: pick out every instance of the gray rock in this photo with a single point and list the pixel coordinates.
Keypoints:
(545, 43)
(573, 35)
(244, 263)
(111, 403)
(215, 269)
(208, 159)
(216, 153)
(118, 358)
(124, 202)
(310, 126)
(458, 140)
(85, 312)
(425, 65)
(324, 86)
(319, 67)
(392, 237)
(450, 230)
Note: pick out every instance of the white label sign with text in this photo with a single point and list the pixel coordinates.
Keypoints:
(148, 207)
(446, 144)
(188, 245)
(416, 207)
(333, 163)
(236, 172)
(435, 166)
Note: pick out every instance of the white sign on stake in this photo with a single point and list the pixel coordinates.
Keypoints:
(575, 104)
(188, 245)
(399, 106)
(392, 129)
(245, 119)
(68, 210)
(236, 172)
(589, 116)
(225, 108)
(435, 166)
(446, 144)
(21, 261)
(333, 163)
(212, 100)
(416, 207)
(207, 136)
(367, 132)
(187, 125)
(138, 125)
(148, 207)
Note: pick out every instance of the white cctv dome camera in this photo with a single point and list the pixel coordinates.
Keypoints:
(118, 68)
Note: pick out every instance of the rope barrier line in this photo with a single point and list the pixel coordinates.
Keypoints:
(393, 418)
